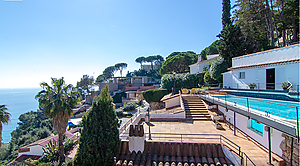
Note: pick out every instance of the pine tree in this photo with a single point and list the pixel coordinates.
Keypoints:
(99, 142)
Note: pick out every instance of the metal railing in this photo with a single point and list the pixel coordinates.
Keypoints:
(246, 160)
(291, 121)
(132, 119)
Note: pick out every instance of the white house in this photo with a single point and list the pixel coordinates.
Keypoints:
(198, 67)
(36, 148)
(267, 69)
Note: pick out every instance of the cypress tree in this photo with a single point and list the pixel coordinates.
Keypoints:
(99, 141)
(232, 41)
(226, 16)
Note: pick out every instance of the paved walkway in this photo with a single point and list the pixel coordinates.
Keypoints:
(256, 154)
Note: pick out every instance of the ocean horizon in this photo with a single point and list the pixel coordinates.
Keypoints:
(18, 101)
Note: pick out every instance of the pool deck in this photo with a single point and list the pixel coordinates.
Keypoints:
(256, 154)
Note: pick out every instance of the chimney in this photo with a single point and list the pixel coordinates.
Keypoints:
(199, 58)
(136, 138)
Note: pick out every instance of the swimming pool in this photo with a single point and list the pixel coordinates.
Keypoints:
(284, 109)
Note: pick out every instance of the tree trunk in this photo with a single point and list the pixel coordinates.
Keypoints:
(0, 134)
(61, 147)
(294, 31)
(270, 22)
(282, 19)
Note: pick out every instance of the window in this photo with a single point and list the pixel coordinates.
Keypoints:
(242, 75)
(255, 126)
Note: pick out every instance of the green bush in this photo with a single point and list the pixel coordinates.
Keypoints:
(218, 67)
(154, 95)
(208, 78)
(120, 113)
(129, 106)
(182, 81)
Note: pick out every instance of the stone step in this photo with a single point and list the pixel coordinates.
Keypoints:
(198, 116)
(199, 119)
(198, 113)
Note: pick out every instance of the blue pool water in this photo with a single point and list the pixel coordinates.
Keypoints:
(283, 109)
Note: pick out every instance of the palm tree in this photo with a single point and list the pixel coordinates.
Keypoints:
(4, 118)
(56, 102)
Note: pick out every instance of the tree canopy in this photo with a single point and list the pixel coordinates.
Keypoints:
(178, 62)
(211, 49)
(120, 67)
(140, 60)
(265, 23)
(85, 84)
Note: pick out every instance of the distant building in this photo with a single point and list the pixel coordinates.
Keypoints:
(148, 67)
(199, 66)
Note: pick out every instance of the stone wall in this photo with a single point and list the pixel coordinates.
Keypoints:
(286, 148)
(157, 105)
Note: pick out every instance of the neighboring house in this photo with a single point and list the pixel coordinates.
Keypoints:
(135, 93)
(36, 148)
(148, 67)
(199, 66)
(35, 151)
(267, 69)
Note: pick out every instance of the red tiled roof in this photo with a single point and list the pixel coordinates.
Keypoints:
(132, 88)
(25, 157)
(173, 154)
(45, 141)
(263, 64)
(266, 50)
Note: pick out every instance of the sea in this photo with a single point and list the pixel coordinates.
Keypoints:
(18, 101)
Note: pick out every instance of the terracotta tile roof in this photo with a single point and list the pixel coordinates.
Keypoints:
(265, 64)
(209, 58)
(25, 157)
(267, 50)
(173, 154)
(45, 141)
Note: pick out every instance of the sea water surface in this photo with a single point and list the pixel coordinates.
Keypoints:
(18, 101)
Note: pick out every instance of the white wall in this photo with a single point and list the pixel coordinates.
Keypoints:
(283, 73)
(241, 123)
(275, 55)
(172, 102)
(34, 150)
(198, 67)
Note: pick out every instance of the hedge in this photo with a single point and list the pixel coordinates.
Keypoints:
(154, 95)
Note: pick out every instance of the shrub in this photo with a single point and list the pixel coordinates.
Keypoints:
(154, 95)
(218, 67)
(119, 113)
(129, 106)
(186, 80)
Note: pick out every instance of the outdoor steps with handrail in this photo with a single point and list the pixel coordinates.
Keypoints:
(195, 108)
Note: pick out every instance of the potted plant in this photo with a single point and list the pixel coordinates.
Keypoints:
(217, 124)
(285, 85)
(252, 85)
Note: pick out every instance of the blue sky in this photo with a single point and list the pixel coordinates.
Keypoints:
(40, 39)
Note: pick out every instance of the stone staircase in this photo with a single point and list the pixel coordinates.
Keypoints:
(195, 108)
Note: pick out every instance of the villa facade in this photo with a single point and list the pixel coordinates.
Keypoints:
(266, 69)
(201, 64)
